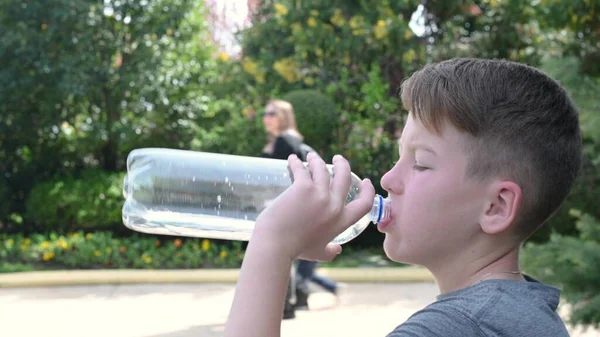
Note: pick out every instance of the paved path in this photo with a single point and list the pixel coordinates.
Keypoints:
(199, 311)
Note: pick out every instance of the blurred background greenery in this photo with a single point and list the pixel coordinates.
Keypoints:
(83, 82)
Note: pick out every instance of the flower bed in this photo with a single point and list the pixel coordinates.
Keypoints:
(97, 250)
(102, 250)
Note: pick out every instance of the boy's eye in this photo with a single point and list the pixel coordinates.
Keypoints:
(418, 167)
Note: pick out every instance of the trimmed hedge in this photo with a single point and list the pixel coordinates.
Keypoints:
(316, 117)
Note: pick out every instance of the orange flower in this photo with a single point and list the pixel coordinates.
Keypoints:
(177, 243)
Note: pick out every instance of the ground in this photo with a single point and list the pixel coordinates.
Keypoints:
(364, 309)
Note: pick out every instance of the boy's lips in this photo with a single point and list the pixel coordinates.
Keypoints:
(382, 225)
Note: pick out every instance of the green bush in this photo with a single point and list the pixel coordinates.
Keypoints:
(316, 117)
(90, 201)
(79, 250)
(4, 200)
(573, 263)
(571, 256)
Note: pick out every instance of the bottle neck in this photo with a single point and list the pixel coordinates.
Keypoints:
(381, 209)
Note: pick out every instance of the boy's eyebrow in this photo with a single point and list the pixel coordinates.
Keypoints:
(417, 145)
(424, 148)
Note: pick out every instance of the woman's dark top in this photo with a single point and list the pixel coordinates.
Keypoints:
(285, 144)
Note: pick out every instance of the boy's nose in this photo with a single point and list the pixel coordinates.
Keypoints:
(391, 181)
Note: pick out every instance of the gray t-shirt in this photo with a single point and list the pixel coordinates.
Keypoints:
(492, 308)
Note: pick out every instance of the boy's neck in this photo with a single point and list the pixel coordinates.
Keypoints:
(503, 264)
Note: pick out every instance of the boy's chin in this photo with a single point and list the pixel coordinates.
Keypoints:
(395, 252)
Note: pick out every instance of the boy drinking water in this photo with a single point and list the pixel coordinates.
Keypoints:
(489, 151)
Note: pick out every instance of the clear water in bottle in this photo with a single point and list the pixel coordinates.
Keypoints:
(210, 195)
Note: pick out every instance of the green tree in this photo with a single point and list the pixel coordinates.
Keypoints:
(585, 195)
(505, 29)
(356, 52)
(572, 28)
(83, 82)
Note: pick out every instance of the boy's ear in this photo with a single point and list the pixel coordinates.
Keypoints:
(501, 207)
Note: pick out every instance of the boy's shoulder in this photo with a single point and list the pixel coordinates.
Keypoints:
(490, 308)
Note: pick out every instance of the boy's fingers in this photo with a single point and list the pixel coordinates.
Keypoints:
(297, 168)
(357, 208)
(319, 171)
(341, 179)
(327, 254)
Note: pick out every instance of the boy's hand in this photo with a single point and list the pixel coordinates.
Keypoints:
(312, 212)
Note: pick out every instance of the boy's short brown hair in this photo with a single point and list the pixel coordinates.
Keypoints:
(520, 125)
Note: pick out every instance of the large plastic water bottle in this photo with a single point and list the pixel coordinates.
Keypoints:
(210, 195)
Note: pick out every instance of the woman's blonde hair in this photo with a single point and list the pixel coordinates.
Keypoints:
(284, 112)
